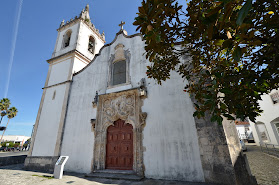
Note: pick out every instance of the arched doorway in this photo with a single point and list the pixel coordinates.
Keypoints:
(119, 155)
(126, 106)
(262, 132)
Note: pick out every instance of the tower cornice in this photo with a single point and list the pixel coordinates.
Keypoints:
(73, 53)
(87, 23)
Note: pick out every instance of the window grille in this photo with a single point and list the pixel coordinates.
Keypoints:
(119, 73)
(275, 97)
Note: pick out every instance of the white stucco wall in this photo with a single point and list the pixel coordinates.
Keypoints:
(59, 71)
(255, 133)
(49, 121)
(271, 113)
(169, 137)
(78, 65)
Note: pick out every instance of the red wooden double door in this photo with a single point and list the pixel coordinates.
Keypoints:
(119, 153)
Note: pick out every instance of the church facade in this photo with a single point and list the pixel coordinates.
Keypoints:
(99, 108)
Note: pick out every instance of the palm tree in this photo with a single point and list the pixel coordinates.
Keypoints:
(11, 113)
(4, 105)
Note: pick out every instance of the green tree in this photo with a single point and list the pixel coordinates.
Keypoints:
(234, 49)
(11, 144)
(11, 113)
(4, 106)
(28, 142)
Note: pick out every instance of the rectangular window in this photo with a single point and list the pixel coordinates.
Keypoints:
(119, 73)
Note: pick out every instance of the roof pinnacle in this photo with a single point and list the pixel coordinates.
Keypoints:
(87, 7)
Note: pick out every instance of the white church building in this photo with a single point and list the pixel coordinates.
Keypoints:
(99, 108)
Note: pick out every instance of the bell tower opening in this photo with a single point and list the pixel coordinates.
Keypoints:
(91, 45)
(67, 39)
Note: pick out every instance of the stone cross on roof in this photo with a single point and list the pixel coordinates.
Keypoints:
(121, 24)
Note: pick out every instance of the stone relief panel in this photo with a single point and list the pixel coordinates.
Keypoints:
(125, 105)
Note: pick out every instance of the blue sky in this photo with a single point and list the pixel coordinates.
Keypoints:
(34, 44)
(27, 38)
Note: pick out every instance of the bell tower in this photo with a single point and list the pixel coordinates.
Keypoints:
(79, 34)
(78, 41)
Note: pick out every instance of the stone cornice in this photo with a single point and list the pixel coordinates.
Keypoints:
(57, 84)
(76, 52)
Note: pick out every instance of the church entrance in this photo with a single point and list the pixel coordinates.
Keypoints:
(119, 149)
(118, 143)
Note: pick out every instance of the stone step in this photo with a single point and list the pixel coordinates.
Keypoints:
(116, 171)
(115, 174)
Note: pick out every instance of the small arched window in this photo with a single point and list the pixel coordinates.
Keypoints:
(119, 72)
(91, 45)
(277, 127)
(67, 38)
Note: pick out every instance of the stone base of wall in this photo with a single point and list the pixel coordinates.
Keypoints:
(215, 156)
(241, 166)
(40, 163)
(4, 161)
(242, 171)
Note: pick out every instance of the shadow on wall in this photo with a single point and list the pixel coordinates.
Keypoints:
(242, 171)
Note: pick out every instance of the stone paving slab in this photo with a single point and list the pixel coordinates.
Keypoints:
(15, 175)
(263, 166)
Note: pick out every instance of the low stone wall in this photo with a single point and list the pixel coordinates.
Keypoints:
(40, 163)
(4, 161)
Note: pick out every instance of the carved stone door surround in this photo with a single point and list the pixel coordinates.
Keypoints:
(125, 105)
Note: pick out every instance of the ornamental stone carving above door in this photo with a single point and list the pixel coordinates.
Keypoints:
(125, 105)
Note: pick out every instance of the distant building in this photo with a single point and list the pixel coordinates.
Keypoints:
(244, 130)
(15, 139)
(266, 126)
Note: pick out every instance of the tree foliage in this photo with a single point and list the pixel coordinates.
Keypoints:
(4, 106)
(11, 144)
(6, 111)
(234, 49)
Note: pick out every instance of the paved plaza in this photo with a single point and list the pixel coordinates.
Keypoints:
(264, 167)
(14, 175)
